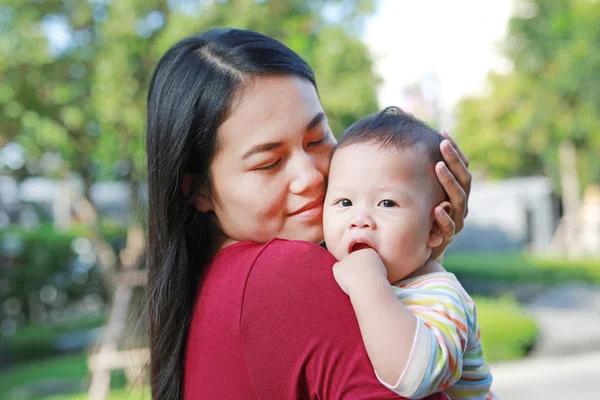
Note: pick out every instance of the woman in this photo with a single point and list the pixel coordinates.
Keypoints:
(238, 153)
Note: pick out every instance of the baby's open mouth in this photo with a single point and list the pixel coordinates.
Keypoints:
(359, 246)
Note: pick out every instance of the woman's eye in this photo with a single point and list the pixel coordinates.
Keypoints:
(317, 142)
(270, 166)
(388, 203)
(345, 203)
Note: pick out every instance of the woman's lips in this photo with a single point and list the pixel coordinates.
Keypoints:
(309, 211)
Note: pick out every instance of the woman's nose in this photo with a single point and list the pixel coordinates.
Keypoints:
(307, 176)
(362, 220)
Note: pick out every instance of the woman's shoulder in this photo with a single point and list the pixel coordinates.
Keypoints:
(288, 269)
(297, 321)
(294, 257)
(279, 258)
(279, 245)
(297, 248)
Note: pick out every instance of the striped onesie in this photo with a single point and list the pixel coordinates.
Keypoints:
(446, 354)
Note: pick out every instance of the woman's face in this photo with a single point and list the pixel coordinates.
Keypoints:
(270, 171)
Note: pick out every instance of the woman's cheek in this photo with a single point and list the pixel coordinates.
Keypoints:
(326, 162)
(271, 197)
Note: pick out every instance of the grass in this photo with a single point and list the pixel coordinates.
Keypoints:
(115, 394)
(522, 268)
(507, 332)
(42, 332)
(63, 368)
(36, 341)
(14, 382)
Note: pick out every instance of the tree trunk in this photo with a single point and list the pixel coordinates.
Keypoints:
(570, 185)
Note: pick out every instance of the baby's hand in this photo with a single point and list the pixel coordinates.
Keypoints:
(358, 269)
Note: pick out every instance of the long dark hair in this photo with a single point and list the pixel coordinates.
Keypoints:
(189, 97)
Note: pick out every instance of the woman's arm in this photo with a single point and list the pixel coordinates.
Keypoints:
(301, 337)
(455, 177)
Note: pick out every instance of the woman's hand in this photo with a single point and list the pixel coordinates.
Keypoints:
(455, 177)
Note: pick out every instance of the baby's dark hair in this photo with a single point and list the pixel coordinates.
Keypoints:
(394, 127)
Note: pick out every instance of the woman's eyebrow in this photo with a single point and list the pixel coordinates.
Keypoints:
(315, 121)
(259, 148)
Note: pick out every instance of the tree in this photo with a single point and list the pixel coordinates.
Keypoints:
(75, 73)
(543, 117)
(74, 76)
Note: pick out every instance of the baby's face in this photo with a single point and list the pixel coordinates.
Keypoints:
(384, 199)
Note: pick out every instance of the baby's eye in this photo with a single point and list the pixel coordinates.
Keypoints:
(388, 203)
(345, 203)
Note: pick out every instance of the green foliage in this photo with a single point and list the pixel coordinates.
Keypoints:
(552, 94)
(507, 332)
(522, 268)
(75, 73)
(36, 341)
(44, 257)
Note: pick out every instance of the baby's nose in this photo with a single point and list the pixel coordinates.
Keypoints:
(362, 220)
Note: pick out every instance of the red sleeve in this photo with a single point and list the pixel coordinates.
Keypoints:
(299, 332)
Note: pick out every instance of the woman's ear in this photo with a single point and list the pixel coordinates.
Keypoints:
(436, 236)
(201, 201)
(186, 184)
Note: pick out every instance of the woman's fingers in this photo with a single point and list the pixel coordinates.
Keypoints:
(457, 166)
(445, 222)
(456, 194)
(464, 158)
(447, 226)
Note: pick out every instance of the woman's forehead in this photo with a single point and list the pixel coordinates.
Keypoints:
(271, 108)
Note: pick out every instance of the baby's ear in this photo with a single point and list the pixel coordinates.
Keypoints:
(201, 201)
(436, 236)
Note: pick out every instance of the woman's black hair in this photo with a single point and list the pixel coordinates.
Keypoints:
(190, 95)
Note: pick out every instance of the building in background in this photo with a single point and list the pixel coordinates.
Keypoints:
(519, 214)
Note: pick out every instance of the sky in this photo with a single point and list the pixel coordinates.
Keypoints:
(452, 44)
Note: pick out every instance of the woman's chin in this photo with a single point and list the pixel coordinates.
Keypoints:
(312, 234)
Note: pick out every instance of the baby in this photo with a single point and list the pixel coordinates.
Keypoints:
(421, 333)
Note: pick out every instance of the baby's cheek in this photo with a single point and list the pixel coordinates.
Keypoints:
(333, 236)
(407, 242)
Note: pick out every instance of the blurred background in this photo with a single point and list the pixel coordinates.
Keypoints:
(517, 83)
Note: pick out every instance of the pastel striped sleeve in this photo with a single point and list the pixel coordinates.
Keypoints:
(476, 379)
(446, 315)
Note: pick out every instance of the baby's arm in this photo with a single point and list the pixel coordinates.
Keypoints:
(387, 326)
(412, 356)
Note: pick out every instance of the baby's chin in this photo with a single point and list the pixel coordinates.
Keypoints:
(335, 250)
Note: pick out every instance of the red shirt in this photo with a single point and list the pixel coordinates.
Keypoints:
(271, 323)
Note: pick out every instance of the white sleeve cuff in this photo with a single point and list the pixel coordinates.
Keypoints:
(411, 379)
